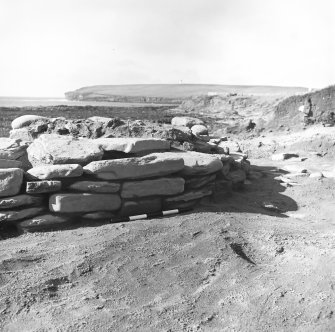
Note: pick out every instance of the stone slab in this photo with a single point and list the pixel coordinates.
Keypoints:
(152, 165)
(83, 202)
(44, 222)
(197, 163)
(54, 172)
(46, 186)
(11, 148)
(7, 163)
(94, 186)
(199, 181)
(133, 145)
(161, 187)
(186, 121)
(14, 215)
(20, 200)
(10, 181)
(53, 149)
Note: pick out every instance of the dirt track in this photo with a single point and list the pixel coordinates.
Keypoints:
(229, 266)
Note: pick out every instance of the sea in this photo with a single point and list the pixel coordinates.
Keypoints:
(44, 101)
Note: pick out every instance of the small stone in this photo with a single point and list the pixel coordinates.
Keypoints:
(7, 163)
(10, 181)
(161, 186)
(10, 215)
(39, 187)
(25, 120)
(84, 202)
(95, 186)
(271, 207)
(19, 200)
(55, 171)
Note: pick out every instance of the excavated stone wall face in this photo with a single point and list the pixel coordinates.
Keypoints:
(56, 180)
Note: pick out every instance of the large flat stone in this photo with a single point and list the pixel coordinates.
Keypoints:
(140, 206)
(55, 171)
(197, 163)
(83, 202)
(19, 200)
(160, 187)
(7, 163)
(133, 145)
(44, 222)
(155, 164)
(25, 120)
(14, 215)
(46, 186)
(11, 148)
(55, 149)
(95, 186)
(10, 181)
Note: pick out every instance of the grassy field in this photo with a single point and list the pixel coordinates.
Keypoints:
(164, 92)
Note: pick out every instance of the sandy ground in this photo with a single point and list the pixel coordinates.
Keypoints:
(230, 265)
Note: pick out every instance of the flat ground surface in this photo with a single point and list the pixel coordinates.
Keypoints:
(231, 265)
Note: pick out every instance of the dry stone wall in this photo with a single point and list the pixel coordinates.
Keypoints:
(56, 180)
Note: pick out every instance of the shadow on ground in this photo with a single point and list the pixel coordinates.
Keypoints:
(260, 194)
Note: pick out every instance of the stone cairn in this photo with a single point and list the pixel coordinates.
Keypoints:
(51, 179)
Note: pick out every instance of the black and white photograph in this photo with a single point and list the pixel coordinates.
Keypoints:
(167, 165)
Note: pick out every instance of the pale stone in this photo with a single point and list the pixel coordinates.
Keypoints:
(155, 164)
(102, 119)
(199, 181)
(25, 120)
(11, 148)
(140, 206)
(317, 175)
(186, 121)
(295, 168)
(19, 200)
(7, 163)
(197, 163)
(10, 181)
(283, 156)
(45, 221)
(199, 130)
(95, 186)
(52, 149)
(46, 186)
(55, 171)
(133, 145)
(161, 187)
(23, 134)
(83, 202)
(10, 215)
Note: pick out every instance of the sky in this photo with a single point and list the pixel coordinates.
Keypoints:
(52, 46)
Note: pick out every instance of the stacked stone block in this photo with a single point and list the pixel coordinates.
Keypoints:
(73, 180)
